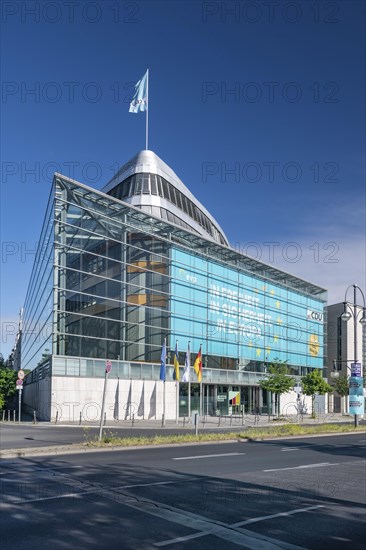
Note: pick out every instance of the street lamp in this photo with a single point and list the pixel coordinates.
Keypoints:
(350, 311)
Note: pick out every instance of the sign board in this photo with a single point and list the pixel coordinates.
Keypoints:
(108, 366)
(21, 374)
(356, 399)
(19, 382)
(356, 369)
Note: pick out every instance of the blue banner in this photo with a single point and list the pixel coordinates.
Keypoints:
(241, 316)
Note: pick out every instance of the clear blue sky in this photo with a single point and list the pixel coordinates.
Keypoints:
(292, 128)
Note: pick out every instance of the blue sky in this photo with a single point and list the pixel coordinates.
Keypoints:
(258, 107)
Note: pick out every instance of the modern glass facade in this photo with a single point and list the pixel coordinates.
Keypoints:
(111, 281)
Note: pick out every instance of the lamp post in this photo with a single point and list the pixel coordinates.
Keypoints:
(350, 310)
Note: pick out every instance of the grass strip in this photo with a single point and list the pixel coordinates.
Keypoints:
(110, 439)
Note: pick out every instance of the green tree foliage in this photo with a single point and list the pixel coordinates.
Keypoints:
(7, 384)
(313, 383)
(278, 380)
(341, 385)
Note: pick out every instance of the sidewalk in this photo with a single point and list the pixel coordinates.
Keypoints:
(234, 422)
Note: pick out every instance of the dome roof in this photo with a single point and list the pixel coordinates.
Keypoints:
(147, 182)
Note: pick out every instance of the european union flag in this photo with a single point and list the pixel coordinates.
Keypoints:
(139, 100)
(163, 362)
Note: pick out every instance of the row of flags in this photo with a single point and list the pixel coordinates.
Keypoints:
(197, 366)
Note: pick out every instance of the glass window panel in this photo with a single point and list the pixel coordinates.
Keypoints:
(173, 198)
(165, 185)
(138, 185)
(146, 187)
(178, 195)
(154, 187)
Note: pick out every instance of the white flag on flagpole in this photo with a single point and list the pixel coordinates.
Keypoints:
(139, 100)
(187, 365)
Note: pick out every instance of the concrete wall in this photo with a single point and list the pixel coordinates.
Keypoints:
(124, 398)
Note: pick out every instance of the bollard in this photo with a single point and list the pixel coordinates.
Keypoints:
(105, 418)
(184, 421)
(34, 417)
(203, 421)
(219, 419)
(196, 423)
(9, 415)
(242, 419)
(80, 418)
(163, 420)
(56, 417)
(13, 416)
(133, 419)
(3, 415)
(231, 419)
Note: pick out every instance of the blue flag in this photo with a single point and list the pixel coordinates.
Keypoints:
(163, 362)
(139, 100)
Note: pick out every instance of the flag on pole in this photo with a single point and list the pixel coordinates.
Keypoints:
(198, 365)
(139, 100)
(176, 362)
(187, 365)
(163, 362)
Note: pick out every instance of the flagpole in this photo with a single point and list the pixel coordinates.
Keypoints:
(147, 112)
(201, 386)
(177, 387)
(189, 381)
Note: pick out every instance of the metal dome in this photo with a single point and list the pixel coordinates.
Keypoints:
(148, 183)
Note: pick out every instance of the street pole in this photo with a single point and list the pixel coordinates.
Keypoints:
(20, 404)
(355, 336)
(107, 371)
(357, 371)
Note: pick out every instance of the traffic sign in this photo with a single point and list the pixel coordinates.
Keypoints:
(21, 374)
(108, 366)
(356, 369)
(19, 382)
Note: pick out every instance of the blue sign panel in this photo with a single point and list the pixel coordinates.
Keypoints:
(241, 316)
(356, 399)
(356, 369)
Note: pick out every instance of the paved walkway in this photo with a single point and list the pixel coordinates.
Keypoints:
(208, 422)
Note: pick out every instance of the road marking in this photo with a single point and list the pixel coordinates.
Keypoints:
(285, 449)
(181, 539)
(146, 484)
(206, 456)
(319, 465)
(281, 514)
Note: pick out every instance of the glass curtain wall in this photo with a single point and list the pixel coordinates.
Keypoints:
(38, 306)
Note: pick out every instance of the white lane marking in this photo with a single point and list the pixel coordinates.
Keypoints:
(285, 449)
(206, 456)
(146, 484)
(280, 514)
(319, 465)
(182, 539)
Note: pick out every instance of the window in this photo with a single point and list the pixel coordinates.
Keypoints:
(146, 187)
(154, 187)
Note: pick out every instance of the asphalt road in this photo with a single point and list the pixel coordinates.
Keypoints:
(17, 436)
(283, 494)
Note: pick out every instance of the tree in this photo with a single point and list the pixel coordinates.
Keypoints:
(312, 384)
(278, 381)
(7, 384)
(341, 385)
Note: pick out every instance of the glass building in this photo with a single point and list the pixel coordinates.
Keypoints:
(118, 271)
